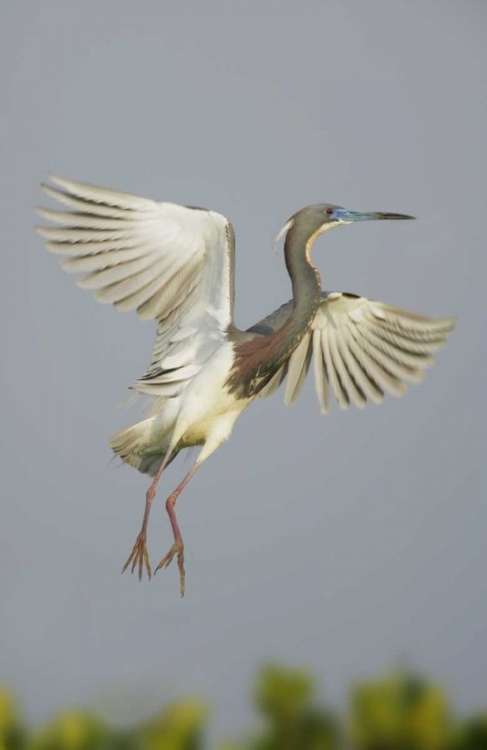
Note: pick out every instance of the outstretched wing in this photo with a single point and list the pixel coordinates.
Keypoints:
(167, 262)
(360, 349)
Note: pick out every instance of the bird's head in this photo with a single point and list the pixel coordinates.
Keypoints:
(316, 219)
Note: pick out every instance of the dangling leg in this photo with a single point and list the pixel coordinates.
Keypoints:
(178, 546)
(139, 555)
(220, 431)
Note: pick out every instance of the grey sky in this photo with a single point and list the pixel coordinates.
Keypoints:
(347, 542)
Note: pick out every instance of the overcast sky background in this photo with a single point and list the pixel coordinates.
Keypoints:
(348, 543)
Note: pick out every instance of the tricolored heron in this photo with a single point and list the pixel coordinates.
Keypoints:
(175, 264)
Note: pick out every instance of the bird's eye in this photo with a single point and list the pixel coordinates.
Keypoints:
(330, 211)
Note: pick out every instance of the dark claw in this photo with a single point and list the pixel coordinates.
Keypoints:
(139, 557)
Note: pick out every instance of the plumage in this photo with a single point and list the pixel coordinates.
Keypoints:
(175, 265)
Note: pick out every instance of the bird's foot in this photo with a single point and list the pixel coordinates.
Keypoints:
(139, 557)
(176, 549)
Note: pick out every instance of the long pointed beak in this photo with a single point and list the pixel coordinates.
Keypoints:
(344, 215)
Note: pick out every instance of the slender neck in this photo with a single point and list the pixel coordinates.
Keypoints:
(258, 359)
(305, 278)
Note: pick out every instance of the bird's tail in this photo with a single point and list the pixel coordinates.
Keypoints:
(134, 446)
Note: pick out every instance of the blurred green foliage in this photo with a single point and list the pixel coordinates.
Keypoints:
(397, 712)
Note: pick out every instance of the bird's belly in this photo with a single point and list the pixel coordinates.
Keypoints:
(206, 404)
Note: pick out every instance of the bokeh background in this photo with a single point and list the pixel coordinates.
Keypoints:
(348, 543)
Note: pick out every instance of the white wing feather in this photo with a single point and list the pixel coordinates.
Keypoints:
(165, 261)
(362, 350)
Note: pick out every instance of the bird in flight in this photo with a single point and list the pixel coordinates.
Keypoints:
(175, 264)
